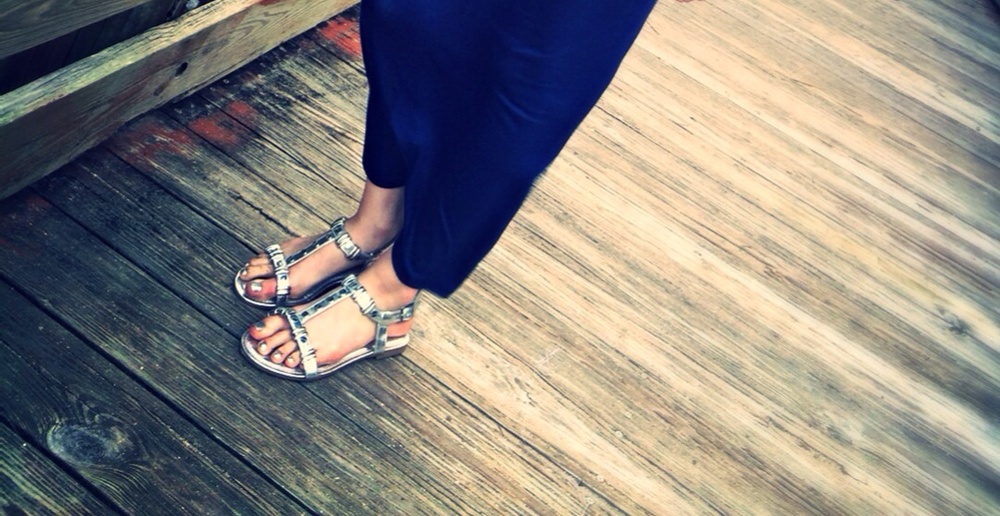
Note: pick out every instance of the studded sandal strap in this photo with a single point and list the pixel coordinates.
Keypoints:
(338, 235)
(346, 244)
(280, 266)
(307, 353)
(382, 318)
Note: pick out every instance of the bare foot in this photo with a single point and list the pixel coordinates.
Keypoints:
(340, 329)
(375, 224)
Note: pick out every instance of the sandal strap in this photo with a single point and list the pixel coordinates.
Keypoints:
(307, 352)
(338, 235)
(367, 304)
(382, 318)
(347, 246)
(280, 266)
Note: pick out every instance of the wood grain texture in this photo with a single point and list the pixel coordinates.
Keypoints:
(486, 460)
(27, 24)
(108, 430)
(30, 64)
(762, 278)
(47, 123)
(30, 483)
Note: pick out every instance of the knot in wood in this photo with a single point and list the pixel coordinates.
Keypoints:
(101, 442)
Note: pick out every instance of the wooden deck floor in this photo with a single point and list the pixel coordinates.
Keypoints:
(764, 277)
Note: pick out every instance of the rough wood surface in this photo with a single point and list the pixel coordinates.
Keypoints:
(382, 409)
(23, 67)
(26, 24)
(30, 483)
(45, 124)
(109, 430)
(763, 278)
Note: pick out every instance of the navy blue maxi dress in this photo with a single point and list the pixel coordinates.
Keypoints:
(469, 101)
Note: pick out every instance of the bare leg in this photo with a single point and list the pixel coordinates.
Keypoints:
(373, 226)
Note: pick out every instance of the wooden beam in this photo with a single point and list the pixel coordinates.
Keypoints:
(26, 24)
(47, 123)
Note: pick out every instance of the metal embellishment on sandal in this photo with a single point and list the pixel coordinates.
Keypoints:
(280, 264)
(381, 346)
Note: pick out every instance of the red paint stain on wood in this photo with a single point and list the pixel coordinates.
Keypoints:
(241, 111)
(149, 138)
(343, 32)
(212, 129)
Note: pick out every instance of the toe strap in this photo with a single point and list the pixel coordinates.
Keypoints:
(307, 353)
(280, 266)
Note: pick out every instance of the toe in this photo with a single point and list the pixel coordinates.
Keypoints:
(293, 359)
(256, 268)
(267, 327)
(260, 289)
(271, 345)
(283, 352)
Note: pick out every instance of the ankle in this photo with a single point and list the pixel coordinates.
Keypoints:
(370, 233)
(384, 286)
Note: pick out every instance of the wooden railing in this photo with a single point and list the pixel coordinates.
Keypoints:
(48, 122)
(39, 37)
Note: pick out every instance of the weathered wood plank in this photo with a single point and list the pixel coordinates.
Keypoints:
(761, 278)
(26, 66)
(30, 483)
(48, 122)
(185, 358)
(844, 128)
(299, 120)
(26, 24)
(128, 445)
(487, 462)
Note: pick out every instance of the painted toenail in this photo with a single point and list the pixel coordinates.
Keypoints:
(256, 286)
(262, 347)
(277, 356)
(259, 325)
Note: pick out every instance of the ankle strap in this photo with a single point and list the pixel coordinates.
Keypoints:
(338, 235)
(338, 232)
(367, 304)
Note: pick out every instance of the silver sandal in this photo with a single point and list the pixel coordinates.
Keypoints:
(337, 235)
(382, 346)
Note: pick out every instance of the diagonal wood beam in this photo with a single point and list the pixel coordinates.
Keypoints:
(47, 123)
(26, 24)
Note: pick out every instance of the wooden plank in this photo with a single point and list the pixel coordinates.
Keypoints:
(30, 483)
(125, 443)
(289, 106)
(115, 29)
(487, 462)
(741, 375)
(27, 24)
(48, 122)
(295, 439)
(26, 66)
